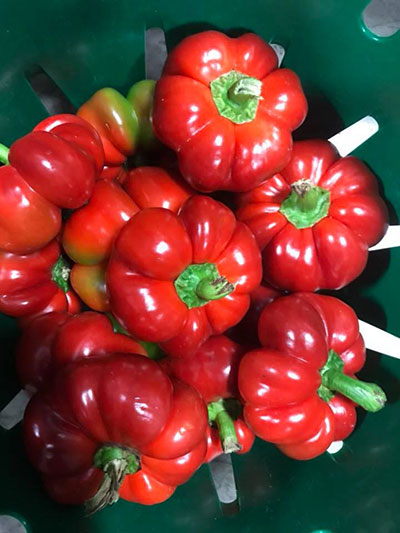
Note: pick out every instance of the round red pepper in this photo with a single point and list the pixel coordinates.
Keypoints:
(316, 219)
(29, 283)
(53, 166)
(227, 110)
(61, 163)
(55, 339)
(116, 407)
(76, 130)
(293, 386)
(179, 279)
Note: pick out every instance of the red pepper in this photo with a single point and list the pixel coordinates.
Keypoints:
(60, 161)
(244, 435)
(299, 388)
(27, 220)
(76, 130)
(50, 341)
(53, 166)
(227, 110)
(117, 124)
(116, 407)
(29, 283)
(61, 301)
(89, 282)
(90, 232)
(316, 219)
(156, 187)
(213, 371)
(178, 279)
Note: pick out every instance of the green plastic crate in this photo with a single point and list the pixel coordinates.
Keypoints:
(347, 73)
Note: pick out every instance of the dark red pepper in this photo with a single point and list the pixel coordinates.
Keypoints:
(293, 385)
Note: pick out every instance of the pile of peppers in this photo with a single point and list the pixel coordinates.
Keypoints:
(161, 327)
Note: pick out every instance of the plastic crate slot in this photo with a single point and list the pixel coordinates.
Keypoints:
(223, 477)
(49, 93)
(155, 52)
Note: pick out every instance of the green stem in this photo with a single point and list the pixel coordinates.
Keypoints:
(60, 273)
(218, 414)
(116, 462)
(244, 89)
(236, 96)
(368, 395)
(200, 283)
(306, 205)
(4, 150)
(209, 289)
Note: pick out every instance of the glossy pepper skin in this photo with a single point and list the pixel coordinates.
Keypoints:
(53, 166)
(30, 283)
(203, 256)
(62, 301)
(116, 407)
(315, 237)
(90, 231)
(89, 282)
(76, 130)
(292, 385)
(141, 96)
(53, 340)
(245, 438)
(195, 96)
(213, 372)
(116, 121)
(60, 162)
(27, 220)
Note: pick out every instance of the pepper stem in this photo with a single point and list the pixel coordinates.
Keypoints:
(60, 273)
(199, 283)
(236, 96)
(209, 289)
(368, 395)
(306, 205)
(244, 89)
(4, 150)
(218, 414)
(116, 463)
